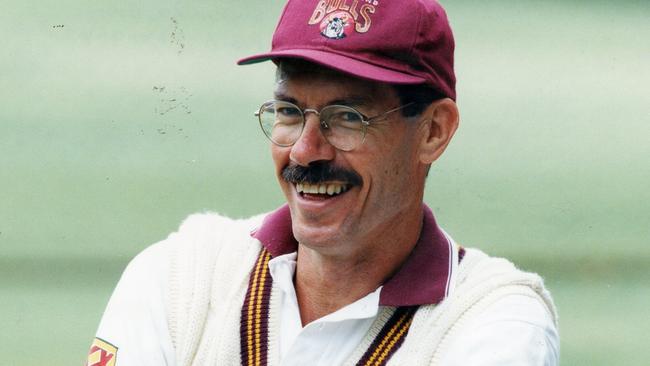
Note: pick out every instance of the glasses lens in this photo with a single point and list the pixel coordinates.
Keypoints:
(281, 122)
(345, 129)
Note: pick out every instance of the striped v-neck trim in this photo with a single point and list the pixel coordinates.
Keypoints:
(255, 314)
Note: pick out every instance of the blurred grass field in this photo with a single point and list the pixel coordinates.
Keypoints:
(118, 120)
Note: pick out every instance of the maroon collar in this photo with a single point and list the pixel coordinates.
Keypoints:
(422, 279)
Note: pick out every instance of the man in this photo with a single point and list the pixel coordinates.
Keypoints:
(354, 269)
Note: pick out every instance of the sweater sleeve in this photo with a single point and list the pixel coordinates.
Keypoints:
(133, 330)
(514, 330)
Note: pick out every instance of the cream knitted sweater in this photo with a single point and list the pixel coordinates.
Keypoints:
(212, 257)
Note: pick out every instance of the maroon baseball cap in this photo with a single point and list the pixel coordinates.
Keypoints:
(392, 41)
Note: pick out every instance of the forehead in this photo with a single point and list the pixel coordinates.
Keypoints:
(324, 86)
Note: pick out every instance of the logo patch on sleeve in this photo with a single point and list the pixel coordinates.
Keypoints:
(101, 353)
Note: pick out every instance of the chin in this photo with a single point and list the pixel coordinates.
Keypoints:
(314, 235)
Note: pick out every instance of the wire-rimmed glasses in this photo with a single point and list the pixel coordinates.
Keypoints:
(343, 126)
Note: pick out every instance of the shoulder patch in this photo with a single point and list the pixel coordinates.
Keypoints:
(101, 353)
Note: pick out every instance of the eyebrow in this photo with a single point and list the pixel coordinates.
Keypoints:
(283, 97)
(352, 100)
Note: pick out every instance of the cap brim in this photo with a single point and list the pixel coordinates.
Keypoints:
(341, 63)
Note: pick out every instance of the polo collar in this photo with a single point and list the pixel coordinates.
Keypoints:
(424, 278)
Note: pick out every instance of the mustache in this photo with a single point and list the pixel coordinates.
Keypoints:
(319, 173)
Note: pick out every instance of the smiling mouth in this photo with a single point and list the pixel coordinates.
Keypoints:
(322, 189)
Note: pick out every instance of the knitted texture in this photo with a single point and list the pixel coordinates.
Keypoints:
(210, 261)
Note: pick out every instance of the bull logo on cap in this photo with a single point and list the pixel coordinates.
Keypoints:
(354, 16)
(335, 25)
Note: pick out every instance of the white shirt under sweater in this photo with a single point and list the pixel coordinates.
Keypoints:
(136, 322)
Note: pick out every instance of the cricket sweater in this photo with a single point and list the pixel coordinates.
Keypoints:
(212, 259)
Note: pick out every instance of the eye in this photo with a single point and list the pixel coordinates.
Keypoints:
(344, 118)
(348, 116)
(342, 115)
(287, 111)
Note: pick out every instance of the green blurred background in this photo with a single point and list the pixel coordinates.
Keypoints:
(118, 119)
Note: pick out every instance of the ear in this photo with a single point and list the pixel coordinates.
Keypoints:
(440, 121)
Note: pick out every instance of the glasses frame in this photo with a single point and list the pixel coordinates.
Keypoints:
(365, 121)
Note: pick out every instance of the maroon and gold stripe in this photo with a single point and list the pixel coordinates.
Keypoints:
(254, 328)
(390, 338)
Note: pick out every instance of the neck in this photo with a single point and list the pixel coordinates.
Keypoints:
(325, 283)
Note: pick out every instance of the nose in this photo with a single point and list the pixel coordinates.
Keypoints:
(311, 145)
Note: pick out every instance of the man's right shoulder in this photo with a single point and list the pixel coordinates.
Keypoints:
(200, 238)
(213, 230)
(208, 222)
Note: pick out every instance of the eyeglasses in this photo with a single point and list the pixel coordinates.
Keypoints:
(344, 127)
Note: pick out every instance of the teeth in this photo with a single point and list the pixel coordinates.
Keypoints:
(330, 189)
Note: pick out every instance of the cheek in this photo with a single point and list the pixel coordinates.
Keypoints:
(398, 173)
(280, 157)
(383, 178)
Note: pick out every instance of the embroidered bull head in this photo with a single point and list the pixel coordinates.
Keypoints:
(335, 28)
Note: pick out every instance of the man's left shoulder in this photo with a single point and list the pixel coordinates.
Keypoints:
(493, 304)
(486, 279)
